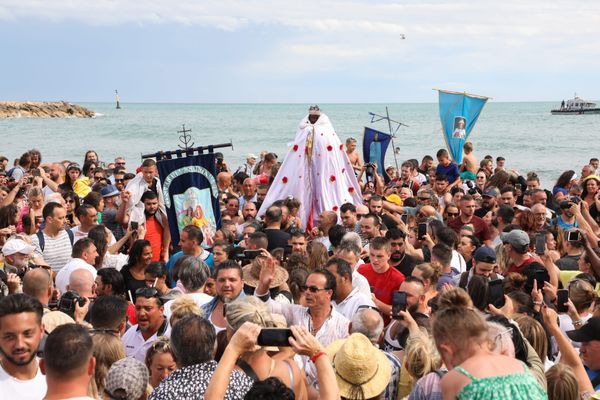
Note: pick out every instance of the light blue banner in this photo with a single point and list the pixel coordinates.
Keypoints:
(458, 113)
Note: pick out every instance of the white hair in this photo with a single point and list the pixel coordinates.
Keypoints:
(369, 323)
(500, 338)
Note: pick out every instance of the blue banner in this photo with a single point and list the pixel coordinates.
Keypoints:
(191, 195)
(458, 113)
(375, 144)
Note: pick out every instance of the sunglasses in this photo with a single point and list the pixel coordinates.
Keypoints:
(119, 180)
(312, 289)
(452, 214)
(424, 198)
(147, 292)
(120, 163)
(368, 307)
(70, 201)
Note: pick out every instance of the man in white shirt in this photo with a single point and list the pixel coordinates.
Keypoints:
(347, 299)
(151, 324)
(84, 255)
(193, 274)
(53, 244)
(88, 218)
(21, 331)
(350, 252)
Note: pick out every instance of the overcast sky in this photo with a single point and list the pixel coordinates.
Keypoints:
(298, 51)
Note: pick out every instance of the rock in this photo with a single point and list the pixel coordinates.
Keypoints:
(57, 109)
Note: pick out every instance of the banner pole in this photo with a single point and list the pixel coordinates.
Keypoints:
(387, 113)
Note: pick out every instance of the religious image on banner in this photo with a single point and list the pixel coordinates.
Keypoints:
(191, 195)
(459, 128)
(194, 207)
(375, 144)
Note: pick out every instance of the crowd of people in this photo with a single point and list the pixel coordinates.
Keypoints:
(448, 281)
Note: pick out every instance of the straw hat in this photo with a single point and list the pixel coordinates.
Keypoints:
(252, 274)
(359, 367)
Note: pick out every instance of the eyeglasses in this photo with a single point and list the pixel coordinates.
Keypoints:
(97, 178)
(119, 180)
(452, 214)
(312, 289)
(481, 177)
(424, 198)
(147, 292)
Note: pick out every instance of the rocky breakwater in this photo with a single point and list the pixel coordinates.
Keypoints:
(55, 109)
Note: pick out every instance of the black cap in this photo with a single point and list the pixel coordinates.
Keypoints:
(588, 332)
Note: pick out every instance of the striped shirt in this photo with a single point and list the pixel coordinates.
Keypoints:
(57, 250)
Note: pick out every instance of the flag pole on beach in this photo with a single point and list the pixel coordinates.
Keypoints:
(117, 99)
(392, 132)
(459, 112)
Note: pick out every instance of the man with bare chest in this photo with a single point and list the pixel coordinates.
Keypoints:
(353, 155)
(469, 166)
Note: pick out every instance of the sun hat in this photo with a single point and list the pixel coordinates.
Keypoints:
(127, 379)
(361, 369)
(252, 275)
(13, 246)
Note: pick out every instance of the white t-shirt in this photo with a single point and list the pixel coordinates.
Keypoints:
(63, 276)
(200, 299)
(12, 388)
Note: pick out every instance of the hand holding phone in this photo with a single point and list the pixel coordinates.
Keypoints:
(422, 231)
(540, 244)
(278, 337)
(562, 297)
(398, 304)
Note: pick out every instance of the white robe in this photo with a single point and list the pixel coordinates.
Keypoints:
(316, 171)
(135, 208)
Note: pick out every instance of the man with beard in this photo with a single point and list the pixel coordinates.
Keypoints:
(52, 179)
(21, 331)
(151, 324)
(399, 259)
(489, 201)
(248, 216)
(468, 217)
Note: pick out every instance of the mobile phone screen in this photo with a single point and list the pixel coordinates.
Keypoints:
(496, 293)
(398, 304)
(274, 337)
(252, 254)
(422, 231)
(540, 277)
(562, 296)
(540, 244)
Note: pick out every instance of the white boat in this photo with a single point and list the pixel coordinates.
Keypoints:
(576, 105)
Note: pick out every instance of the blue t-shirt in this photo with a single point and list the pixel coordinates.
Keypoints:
(451, 171)
(206, 256)
(593, 374)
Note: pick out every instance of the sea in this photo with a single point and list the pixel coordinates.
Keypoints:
(526, 134)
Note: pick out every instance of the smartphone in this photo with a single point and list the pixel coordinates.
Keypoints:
(404, 218)
(35, 172)
(573, 236)
(540, 277)
(562, 296)
(278, 337)
(252, 254)
(422, 231)
(398, 304)
(496, 293)
(134, 225)
(540, 244)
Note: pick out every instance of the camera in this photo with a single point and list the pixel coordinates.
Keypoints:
(470, 184)
(68, 300)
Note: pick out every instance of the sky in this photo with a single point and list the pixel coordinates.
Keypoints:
(275, 51)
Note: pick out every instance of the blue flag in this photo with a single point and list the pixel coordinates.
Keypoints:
(375, 144)
(191, 194)
(458, 113)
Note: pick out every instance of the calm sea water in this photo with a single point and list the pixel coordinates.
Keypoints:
(524, 133)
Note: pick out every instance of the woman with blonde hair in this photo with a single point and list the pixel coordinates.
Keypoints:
(160, 361)
(257, 364)
(182, 306)
(317, 255)
(535, 334)
(107, 349)
(582, 299)
(475, 372)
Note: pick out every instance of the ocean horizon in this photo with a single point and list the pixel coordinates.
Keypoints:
(525, 133)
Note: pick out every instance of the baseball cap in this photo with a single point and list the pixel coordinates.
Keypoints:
(13, 246)
(485, 254)
(588, 332)
(250, 155)
(491, 192)
(127, 379)
(394, 198)
(109, 191)
(516, 237)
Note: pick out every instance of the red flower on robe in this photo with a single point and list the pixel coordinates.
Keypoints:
(332, 178)
(341, 147)
(335, 208)
(351, 189)
(295, 148)
(284, 179)
(329, 147)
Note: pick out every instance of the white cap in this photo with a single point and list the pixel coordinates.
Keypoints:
(13, 246)
(250, 155)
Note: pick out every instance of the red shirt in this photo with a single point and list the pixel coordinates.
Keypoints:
(383, 284)
(154, 234)
(520, 268)
(481, 230)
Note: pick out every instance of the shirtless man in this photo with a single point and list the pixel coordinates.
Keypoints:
(468, 168)
(353, 155)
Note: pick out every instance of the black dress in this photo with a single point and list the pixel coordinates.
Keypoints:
(131, 284)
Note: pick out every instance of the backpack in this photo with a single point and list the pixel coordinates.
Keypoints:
(40, 235)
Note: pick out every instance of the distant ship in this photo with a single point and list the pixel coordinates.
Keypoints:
(576, 105)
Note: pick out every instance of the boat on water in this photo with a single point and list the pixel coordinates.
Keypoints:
(576, 106)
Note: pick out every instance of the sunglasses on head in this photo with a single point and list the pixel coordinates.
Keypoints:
(312, 289)
(147, 292)
(368, 307)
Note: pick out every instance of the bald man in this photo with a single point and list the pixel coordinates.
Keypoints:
(327, 220)
(37, 283)
(82, 281)
(224, 180)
